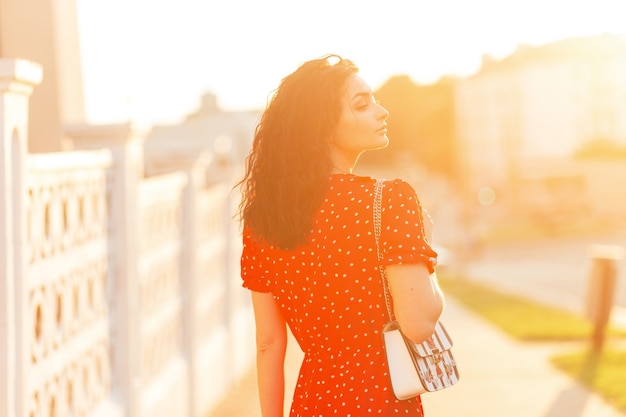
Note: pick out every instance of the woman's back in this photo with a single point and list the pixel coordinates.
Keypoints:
(329, 291)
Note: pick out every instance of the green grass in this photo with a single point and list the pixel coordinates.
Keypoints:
(521, 318)
(604, 373)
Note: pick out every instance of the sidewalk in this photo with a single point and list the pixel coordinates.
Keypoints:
(503, 377)
(499, 377)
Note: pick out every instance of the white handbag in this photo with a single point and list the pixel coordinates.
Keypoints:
(414, 368)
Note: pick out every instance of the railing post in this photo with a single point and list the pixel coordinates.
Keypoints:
(125, 141)
(196, 174)
(17, 79)
(601, 289)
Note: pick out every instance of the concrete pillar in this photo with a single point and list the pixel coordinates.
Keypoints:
(125, 141)
(17, 79)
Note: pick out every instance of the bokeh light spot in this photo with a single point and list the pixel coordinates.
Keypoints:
(486, 196)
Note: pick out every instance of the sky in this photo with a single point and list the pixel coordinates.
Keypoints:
(150, 61)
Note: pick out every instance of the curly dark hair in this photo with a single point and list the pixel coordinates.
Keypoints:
(289, 165)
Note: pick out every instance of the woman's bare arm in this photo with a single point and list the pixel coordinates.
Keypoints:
(418, 300)
(271, 343)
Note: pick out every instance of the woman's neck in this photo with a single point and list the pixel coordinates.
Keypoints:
(342, 163)
(339, 170)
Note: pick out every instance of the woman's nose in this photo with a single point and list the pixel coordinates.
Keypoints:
(384, 114)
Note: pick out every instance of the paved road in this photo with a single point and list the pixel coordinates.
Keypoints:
(555, 270)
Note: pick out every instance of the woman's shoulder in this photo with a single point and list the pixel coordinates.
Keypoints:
(394, 187)
(397, 186)
(365, 179)
(351, 182)
(398, 192)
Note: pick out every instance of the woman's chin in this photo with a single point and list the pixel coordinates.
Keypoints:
(383, 143)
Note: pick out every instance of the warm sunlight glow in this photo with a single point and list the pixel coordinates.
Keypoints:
(154, 66)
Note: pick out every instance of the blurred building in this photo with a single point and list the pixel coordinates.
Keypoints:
(46, 32)
(520, 120)
(220, 134)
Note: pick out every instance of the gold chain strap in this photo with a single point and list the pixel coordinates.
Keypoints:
(378, 194)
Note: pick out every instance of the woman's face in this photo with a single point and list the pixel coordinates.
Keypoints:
(362, 125)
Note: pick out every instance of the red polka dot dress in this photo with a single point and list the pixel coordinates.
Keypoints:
(330, 293)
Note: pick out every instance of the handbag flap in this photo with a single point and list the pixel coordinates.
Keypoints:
(439, 341)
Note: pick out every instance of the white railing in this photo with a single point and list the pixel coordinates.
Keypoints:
(120, 294)
(66, 343)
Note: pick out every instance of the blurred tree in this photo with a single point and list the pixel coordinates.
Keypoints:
(601, 148)
(420, 126)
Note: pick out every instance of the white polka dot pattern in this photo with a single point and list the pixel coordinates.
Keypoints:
(330, 293)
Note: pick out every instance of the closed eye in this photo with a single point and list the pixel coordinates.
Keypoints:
(364, 101)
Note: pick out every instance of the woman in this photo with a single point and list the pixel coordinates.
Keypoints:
(309, 253)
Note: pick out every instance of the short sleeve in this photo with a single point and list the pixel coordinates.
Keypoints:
(253, 272)
(402, 231)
